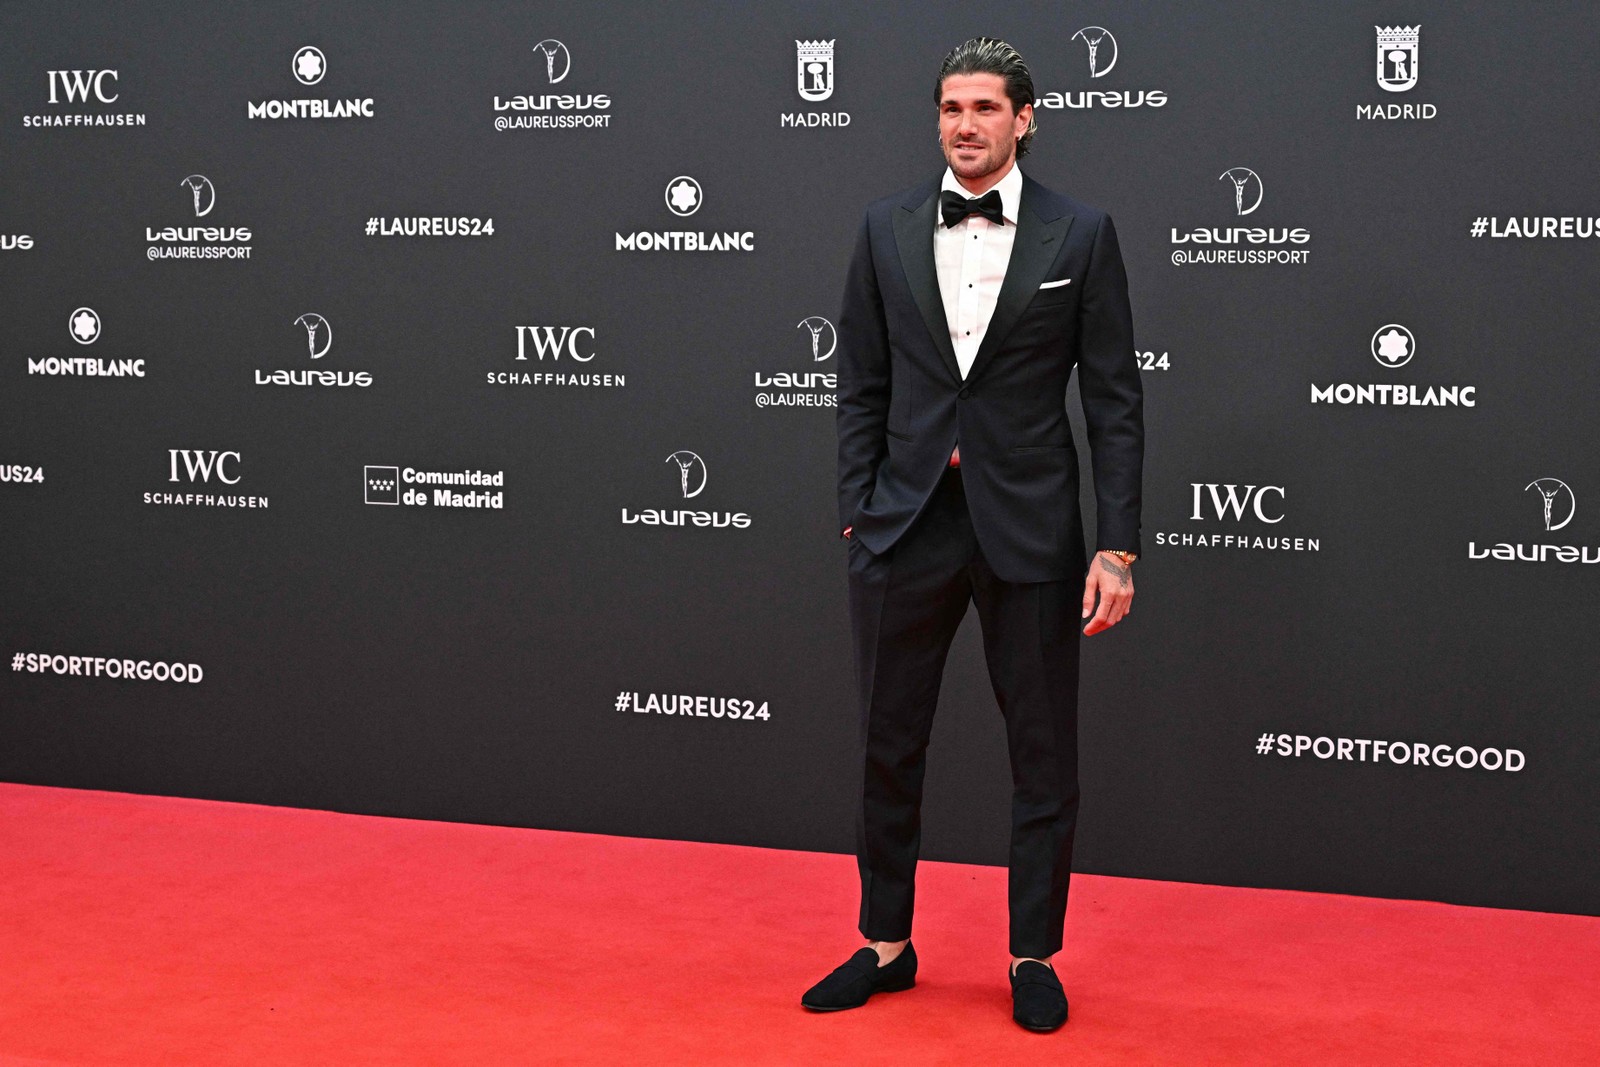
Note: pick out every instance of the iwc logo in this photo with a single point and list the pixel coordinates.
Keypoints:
(309, 66)
(543, 110)
(83, 98)
(210, 478)
(561, 354)
(1393, 346)
(1239, 508)
(1100, 54)
(689, 477)
(813, 63)
(1398, 50)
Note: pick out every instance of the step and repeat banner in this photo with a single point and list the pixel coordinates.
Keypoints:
(427, 410)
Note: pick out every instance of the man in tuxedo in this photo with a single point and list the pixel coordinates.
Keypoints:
(968, 302)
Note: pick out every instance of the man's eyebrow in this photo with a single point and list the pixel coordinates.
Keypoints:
(980, 100)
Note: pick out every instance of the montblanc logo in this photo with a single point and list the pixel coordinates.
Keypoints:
(683, 197)
(1100, 54)
(318, 335)
(1557, 506)
(94, 90)
(1239, 508)
(562, 353)
(1393, 346)
(552, 111)
(690, 478)
(198, 242)
(209, 474)
(84, 327)
(395, 486)
(309, 66)
(1246, 192)
(804, 388)
(813, 68)
(1398, 50)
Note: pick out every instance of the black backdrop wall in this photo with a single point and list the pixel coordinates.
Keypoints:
(1357, 406)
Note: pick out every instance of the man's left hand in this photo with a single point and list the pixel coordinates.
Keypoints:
(1112, 580)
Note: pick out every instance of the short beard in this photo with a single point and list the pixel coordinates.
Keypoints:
(993, 162)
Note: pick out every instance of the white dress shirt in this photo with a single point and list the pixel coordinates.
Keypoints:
(971, 259)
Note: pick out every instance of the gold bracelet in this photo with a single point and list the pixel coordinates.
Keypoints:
(1127, 558)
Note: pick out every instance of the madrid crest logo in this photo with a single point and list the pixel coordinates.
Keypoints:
(813, 61)
(1397, 57)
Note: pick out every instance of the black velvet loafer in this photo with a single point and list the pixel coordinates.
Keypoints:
(859, 977)
(1037, 1000)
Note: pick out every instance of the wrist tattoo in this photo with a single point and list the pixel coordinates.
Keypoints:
(1117, 569)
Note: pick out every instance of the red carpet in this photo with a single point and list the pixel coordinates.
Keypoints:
(144, 930)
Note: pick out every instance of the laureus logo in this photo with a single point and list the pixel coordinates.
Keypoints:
(1102, 49)
(688, 464)
(1558, 499)
(309, 65)
(556, 58)
(691, 471)
(316, 326)
(1246, 186)
(203, 192)
(819, 327)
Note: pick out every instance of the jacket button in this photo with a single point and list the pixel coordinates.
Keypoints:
(965, 393)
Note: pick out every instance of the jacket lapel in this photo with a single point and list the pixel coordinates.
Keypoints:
(913, 234)
(1041, 227)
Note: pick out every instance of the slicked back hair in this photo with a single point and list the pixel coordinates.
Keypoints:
(987, 55)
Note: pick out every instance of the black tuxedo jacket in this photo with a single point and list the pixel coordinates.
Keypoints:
(903, 404)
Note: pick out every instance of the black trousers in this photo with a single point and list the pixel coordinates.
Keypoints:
(905, 606)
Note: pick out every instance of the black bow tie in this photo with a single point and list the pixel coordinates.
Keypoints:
(955, 207)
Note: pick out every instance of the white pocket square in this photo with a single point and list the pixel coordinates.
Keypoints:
(1056, 285)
